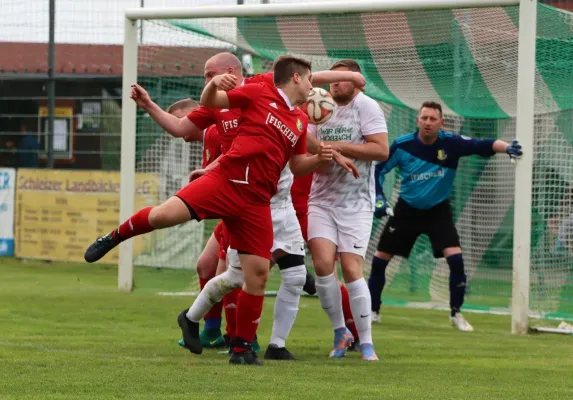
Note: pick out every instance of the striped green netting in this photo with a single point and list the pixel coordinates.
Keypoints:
(467, 60)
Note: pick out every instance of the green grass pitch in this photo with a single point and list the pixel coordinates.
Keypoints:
(67, 333)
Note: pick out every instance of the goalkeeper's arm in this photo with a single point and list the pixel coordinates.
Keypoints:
(382, 206)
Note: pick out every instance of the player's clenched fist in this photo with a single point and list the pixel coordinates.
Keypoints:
(196, 174)
(225, 82)
(358, 80)
(325, 152)
(140, 96)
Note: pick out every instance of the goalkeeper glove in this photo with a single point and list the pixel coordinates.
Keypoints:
(382, 207)
(514, 150)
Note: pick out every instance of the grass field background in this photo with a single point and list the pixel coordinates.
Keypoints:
(67, 333)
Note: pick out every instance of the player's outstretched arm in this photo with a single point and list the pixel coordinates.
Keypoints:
(375, 148)
(302, 164)
(325, 77)
(487, 147)
(176, 127)
(382, 206)
(513, 149)
(312, 144)
(214, 94)
(197, 173)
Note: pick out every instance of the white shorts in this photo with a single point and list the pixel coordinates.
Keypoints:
(349, 230)
(286, 230)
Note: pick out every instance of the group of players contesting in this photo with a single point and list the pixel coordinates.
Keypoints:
(277, 182)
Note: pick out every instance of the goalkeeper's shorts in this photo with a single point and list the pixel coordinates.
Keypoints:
(402, 230)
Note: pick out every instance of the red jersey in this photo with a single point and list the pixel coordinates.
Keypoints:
(300, 191)
(211, 145)
(227, 120)
(270, 132)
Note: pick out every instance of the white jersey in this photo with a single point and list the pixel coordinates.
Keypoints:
(337, 188)
(282, 197)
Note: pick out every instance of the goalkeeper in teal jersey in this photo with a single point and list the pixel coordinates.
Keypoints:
(427, 160)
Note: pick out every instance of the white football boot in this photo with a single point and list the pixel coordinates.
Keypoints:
(460, 322)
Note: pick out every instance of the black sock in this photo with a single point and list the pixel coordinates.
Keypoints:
(376, 282)
(457, 282)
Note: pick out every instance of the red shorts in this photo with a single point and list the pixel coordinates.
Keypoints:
(222, 235)
(303, 222)
(214, 196)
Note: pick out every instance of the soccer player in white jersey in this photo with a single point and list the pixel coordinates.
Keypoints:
(287, 252)
(341, 208)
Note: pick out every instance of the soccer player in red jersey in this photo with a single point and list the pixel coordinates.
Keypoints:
(272, 132)
(212, 257)
(227, 122)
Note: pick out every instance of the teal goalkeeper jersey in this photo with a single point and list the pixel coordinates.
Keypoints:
(427, 172)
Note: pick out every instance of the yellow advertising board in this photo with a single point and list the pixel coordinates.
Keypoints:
(59, 213)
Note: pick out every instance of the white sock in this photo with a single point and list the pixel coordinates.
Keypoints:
(328, 290)
(286, 304)
(360, 307)
(213, 292)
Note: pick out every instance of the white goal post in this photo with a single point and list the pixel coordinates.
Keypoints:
(524, 119)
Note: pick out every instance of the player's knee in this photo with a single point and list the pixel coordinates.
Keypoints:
(382, 255)
(456, 263)
(323, 265)
(206, 268)
(352, 274)
(294, 277)
(234, 277)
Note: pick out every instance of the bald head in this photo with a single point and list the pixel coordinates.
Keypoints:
(223, 63)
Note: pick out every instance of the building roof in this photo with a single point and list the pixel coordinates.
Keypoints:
(105, 60)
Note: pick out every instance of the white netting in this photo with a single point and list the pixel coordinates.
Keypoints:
(466, 59)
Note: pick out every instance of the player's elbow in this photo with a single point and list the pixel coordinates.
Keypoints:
(296, 170)
(382, 154)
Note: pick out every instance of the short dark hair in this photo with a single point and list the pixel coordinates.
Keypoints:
(433, 105)
(182, 104)
(348, 63)
(285, 67)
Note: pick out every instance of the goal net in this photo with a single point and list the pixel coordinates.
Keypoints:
(464, 58)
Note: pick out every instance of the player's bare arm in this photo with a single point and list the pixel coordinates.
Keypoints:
(302, 164)
(175, 126)
(375, 149)
(312, 146)
(202, 171)
(499, 146)
(214, 94)
(326, 77)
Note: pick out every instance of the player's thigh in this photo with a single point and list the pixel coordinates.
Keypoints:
(286, 231)
(442, 233)
(323, 253)
(252, 231)
(322, 239)
(209, 258)
(209, 197)
(321, 224)
(354, 230)
(399, 236)
(171, 212)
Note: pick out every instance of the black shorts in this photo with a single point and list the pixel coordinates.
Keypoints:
(402, 230)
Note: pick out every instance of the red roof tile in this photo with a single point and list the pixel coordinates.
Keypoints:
(103, 59)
